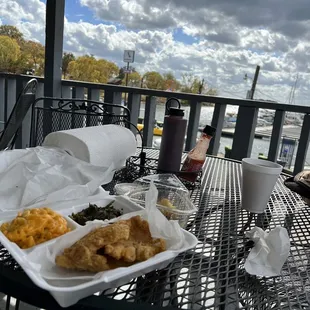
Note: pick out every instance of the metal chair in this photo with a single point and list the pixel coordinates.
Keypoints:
(55, 114)
(10, 132)
(23, 103)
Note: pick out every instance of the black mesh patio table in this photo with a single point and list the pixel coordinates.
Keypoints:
(212, 275)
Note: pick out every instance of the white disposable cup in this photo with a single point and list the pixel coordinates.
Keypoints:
(258, 180)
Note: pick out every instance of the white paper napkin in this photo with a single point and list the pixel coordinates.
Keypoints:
(269, 253)
(46, 175)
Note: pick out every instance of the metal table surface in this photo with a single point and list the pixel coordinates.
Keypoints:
(212, 275)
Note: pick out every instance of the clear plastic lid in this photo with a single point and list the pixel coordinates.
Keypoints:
(165, 179)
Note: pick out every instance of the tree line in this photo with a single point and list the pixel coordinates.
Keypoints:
(21, 56)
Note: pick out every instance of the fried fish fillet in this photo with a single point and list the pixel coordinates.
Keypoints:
(119, 244)
(140, 245)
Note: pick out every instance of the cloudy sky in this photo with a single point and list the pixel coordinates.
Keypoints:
(218, 40)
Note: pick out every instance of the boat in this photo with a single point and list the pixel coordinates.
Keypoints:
(158, 128)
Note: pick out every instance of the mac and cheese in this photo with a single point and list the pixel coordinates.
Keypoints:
(34, 226)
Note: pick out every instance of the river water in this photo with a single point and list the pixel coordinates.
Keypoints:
(259, 145)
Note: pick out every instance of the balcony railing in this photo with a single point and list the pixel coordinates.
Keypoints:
(243, 137)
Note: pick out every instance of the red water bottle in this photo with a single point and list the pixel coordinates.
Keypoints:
(197, 156)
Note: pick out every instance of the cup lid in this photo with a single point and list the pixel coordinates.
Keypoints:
(209, 130)
(176, 112)
(261, 165)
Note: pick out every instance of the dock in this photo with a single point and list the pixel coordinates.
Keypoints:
(289, 131)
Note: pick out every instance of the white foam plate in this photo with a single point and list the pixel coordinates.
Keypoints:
(66, 209)
(72, 286)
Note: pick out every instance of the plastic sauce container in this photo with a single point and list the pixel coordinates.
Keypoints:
(174, 204)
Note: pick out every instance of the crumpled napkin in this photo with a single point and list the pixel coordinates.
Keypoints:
(269, 253)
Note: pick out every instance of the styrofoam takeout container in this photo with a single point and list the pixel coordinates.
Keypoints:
(70, 290)
(70, 223)
(66, 209)
(119, 202)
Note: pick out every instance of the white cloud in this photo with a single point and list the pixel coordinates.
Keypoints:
(27, 15)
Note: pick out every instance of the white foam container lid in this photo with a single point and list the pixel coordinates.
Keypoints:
(69, 291)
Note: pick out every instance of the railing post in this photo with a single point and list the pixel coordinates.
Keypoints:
(149, 121)
(117, 99)
(113, 98)
(92, 94)
(302, 145)
(23, 138)
(134, 101)
(276, 135)
(77, 92)
(244, 132)
(24, 129)
(218, 123)
(108, 96)
(193, 124)
(66, 92)
(2, 103)
(40, 93)
(10, 97)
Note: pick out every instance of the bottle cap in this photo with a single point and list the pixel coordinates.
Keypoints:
(176, 112)
(209, 130)
(171, 103)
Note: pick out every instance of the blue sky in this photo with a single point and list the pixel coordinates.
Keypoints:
(75, 12)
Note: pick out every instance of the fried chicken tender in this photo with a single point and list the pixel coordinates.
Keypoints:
(117, 245)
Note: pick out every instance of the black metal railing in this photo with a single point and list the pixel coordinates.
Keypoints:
(243, 135)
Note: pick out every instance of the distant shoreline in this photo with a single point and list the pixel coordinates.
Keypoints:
(184, 103)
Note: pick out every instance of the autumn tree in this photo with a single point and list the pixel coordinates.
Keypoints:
(82, 69)
(9, 54)
(66, 59)
(108, 69)
(134, 79)
(153, 80)
(12, 32)
(88, 68)
(170, 82)
(121, 73)
(33, 56)
(211, 92)
(190, 83)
